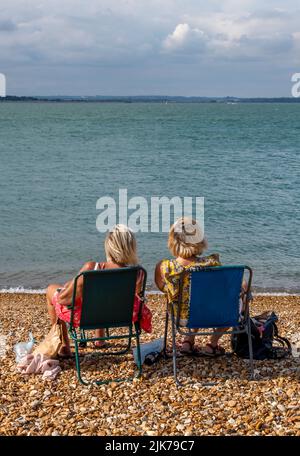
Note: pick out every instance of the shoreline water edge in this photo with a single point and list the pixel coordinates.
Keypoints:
(150, 292)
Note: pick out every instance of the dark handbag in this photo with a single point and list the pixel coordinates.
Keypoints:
(266, 342)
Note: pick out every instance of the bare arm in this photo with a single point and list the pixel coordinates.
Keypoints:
(158, 277)
(65, 297)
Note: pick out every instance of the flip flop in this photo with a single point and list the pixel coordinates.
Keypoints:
(192, 351)
(65, 356)
(105, 345)
(216, 351)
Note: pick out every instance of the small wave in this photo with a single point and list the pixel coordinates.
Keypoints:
(22, 290)
(258, 293)
(154, 292)
(276, 293)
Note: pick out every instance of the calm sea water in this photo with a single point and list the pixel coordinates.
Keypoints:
(58, 159)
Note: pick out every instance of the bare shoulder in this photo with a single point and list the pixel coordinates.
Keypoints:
(88, 266)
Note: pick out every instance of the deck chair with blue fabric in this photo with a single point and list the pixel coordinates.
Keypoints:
(107, 302)
(214, 302)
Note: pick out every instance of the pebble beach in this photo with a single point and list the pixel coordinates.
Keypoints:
(216, 397)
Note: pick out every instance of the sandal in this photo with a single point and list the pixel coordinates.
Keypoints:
(216, 351)
(192, 350)
(99, 344)
(65, 355)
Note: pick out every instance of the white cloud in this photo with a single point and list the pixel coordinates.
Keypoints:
(184, 38)
(113, 31)
(147, 34)
(253, 36)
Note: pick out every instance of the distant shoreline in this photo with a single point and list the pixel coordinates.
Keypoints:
(146, 99)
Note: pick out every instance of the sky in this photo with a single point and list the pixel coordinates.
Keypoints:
(242, 48)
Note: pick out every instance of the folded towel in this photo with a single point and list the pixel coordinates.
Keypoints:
(39, 364)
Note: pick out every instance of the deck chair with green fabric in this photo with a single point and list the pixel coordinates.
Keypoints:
(107, 302)
(214, 302)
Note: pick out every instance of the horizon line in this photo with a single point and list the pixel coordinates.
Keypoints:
(153, 96)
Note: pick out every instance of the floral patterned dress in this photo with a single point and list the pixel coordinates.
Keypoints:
(171, 271)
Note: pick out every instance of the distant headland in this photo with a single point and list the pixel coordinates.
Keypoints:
(146, 99)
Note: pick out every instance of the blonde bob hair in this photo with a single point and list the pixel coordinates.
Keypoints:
(120, 246)
(186, 238)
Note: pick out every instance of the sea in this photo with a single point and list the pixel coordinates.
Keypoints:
(58, 158)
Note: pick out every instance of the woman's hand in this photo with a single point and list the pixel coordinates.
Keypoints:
(65, 296)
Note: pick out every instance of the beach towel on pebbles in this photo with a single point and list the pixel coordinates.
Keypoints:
(39, 364)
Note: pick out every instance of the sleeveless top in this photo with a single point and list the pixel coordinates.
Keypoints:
(102, 265)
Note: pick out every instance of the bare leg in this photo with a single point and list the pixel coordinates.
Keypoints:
(216, 336)
(213, 347)
(99, 333)
(188, 343)
(65, 349)
(51, 289)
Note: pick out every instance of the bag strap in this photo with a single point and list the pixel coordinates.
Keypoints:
(281, 339)
(100, 266)
(286, 349)
(284, 342)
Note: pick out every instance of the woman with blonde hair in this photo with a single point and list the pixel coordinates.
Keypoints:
(121, 251)
(186, 243)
